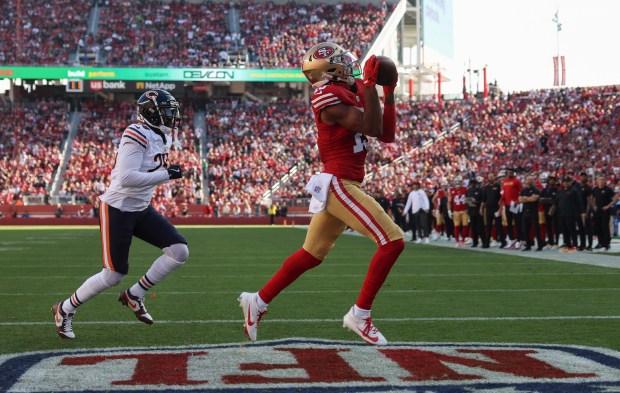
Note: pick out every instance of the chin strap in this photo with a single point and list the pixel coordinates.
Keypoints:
(349, 80)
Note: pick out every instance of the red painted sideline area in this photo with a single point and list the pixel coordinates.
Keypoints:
(76, 215)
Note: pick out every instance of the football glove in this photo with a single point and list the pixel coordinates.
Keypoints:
(175, 172)
(371, 70)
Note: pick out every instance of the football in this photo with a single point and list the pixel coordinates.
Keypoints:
(387, 75)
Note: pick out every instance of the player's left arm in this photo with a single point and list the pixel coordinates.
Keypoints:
(128, 162)
(389, 115)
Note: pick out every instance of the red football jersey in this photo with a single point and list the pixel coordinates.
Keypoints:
(511, 188)
(457, 194)
(342, 151)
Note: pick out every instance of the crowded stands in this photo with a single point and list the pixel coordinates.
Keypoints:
(48, 34)
(277, 35)
(30, 148)
(248, 151)
(179, 33)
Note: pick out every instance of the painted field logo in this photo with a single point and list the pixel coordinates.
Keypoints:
(318, 365)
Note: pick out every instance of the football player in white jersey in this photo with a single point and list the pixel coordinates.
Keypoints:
(126, 211)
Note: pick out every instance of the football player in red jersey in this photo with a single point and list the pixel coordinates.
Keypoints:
(458, 207)
(347, 110)
(511, 187)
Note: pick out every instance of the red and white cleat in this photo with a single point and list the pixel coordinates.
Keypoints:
(64, 321)
(364, 328)
(136, 305)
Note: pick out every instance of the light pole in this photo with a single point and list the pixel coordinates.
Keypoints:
(558, 25)
(558, 61)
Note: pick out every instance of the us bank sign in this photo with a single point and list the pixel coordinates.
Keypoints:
(308, 365)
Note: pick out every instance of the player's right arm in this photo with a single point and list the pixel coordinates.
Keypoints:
(370, 121)
(128, 163)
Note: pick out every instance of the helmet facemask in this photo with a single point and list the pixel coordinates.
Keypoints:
(159, 110)
(350, 69)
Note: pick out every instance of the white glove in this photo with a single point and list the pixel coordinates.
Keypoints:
(450, 213)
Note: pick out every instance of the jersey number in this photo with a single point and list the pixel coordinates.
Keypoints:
(361, 143)
(459, 200)
(161, 160)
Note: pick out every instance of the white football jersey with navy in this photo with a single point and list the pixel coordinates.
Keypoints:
(141, 163)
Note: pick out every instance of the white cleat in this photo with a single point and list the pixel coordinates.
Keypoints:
(64, 321)
(426, 241)
(364, 328)
(136, 305)
(251, 313)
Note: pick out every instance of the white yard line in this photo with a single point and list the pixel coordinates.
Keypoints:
(180, 293)
(330, 320)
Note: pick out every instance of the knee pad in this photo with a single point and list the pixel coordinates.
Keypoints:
(177, 252)
(110, 278)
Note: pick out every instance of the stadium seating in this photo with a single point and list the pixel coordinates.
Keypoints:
(30, 139)
(50, 31)
(178, 33)
(252, 146)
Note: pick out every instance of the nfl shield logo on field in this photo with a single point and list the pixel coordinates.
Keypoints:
(318, 365)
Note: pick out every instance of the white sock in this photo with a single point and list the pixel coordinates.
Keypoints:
(261, 303)
(91, 287)
(160, 269)
(360, 312)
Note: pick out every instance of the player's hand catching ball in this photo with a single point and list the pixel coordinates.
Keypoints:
(371, 71)
(175, 171)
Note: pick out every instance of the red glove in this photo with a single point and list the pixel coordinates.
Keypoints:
(371, 70)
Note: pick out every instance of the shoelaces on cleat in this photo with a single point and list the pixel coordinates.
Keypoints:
(369, 327)
(260, 316)
(67, 323)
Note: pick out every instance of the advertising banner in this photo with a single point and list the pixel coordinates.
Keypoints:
(154, 74)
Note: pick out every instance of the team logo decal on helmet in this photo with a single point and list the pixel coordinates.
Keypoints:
(323, 52)
(151, 94)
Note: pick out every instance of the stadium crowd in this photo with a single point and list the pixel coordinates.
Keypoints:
(49, 31)
(181, 34)
(30, 140)
(277, 35)
(252, 146)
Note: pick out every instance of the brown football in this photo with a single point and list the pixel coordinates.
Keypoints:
(387, 75)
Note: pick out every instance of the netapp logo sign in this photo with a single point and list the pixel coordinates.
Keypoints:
(209, 74)
(155, 86)
(106, 85)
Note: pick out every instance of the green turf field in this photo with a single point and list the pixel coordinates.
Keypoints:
(433, 294)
